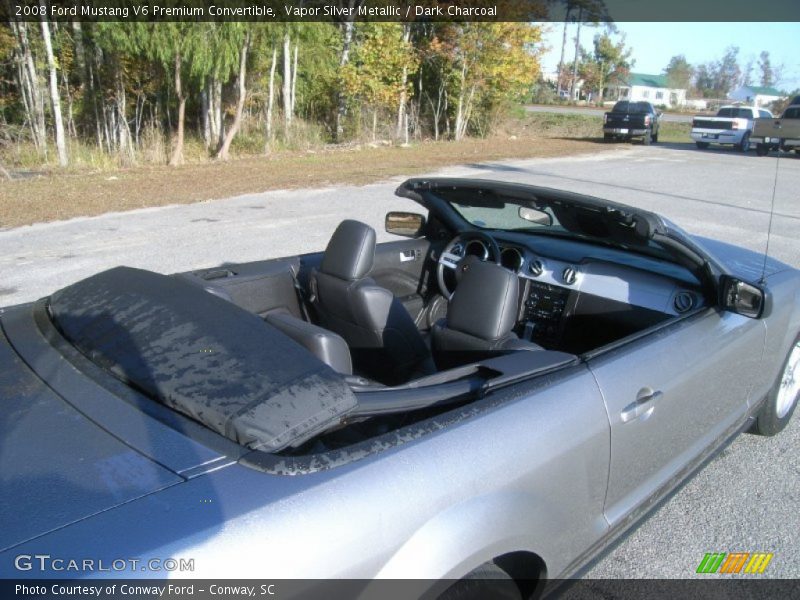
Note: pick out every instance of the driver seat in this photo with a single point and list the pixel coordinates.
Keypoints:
(480, 318)
(384, 341)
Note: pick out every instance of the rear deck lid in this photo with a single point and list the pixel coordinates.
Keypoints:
(56, 466)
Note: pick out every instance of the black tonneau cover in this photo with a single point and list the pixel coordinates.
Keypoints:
(202, 356)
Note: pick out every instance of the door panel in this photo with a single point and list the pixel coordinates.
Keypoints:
(400, 268)
(672, 394)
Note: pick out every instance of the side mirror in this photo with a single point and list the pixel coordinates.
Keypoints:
(534, 215)
(743, 298)
(406, 224)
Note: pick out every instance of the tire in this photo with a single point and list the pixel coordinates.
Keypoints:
(744, 145)
(762, 149)
(655, 137)
(702, 145)
(487, 581)
(782, 398)
(608, 138)
(648, 138)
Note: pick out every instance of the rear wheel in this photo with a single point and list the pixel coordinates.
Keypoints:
(702, 145)
(744, 145)
(782, 398)
(762, 149)
(487, 581)
(608, 138)
(655, 137)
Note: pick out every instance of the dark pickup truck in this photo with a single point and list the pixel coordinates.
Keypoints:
(631, 119)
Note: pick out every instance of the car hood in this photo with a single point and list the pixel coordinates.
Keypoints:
(741, 262)
(56, 466)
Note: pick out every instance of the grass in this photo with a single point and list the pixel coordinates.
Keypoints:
(57, 195)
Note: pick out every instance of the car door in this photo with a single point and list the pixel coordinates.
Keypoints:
(400, 267)
(671, 395)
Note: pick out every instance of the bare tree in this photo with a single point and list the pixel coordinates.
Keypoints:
(29, 86)
(401, 109)
(177, 154)
(287, 80)
(237, 120)
(271, 97)
(344, 58)
(55, 95)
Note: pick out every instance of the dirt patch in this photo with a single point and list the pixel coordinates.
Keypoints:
(55, 197)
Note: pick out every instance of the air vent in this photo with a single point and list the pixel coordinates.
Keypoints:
(535, 268)
(569, 275)
(683, 302)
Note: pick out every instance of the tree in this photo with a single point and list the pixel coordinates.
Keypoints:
(704, 80)
(28, 81)
(728, 72)
(591, 12)
(767, 78)
(237, 120)
(486, 65)
(679, 72)
(55, 96)
(374, 73)
(609, 64)
(715, 79)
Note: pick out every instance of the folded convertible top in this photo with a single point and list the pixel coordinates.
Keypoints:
(202, 356)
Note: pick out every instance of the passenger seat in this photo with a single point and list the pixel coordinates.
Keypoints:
(325, 345)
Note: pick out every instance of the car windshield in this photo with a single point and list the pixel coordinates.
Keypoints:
(507, 216)
(597, 225)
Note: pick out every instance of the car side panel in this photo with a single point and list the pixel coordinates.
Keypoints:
(783, 326)
(703, 369)
(526, 473)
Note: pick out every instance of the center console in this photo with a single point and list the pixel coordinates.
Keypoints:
(543, 311)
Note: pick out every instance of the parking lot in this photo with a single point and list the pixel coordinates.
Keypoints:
(746, 500)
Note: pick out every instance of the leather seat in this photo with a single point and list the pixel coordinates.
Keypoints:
(481, 315)
(384, 341)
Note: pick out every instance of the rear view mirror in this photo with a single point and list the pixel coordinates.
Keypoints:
(534, 215)
(743, 298)
(406, 224)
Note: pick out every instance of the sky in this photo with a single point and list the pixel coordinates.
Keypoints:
(655, 43)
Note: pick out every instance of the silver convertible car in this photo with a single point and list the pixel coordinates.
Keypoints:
(494, 397)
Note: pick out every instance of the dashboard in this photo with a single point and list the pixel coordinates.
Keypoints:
(590, 294)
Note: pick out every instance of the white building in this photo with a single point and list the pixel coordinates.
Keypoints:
(648, 88)
(755, 95)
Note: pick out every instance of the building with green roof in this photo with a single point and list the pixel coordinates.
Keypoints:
(648, 88)
(756, 95)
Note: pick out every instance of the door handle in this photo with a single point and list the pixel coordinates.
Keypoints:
(642, 407)
(408, 255)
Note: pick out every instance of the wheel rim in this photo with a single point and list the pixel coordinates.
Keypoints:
(790, 383)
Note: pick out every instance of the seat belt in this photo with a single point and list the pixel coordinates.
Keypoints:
(304, 302)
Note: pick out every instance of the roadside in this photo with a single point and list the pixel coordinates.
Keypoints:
(56, 196)
(669, 117)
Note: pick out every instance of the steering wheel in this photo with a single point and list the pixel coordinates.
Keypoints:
(458, 261)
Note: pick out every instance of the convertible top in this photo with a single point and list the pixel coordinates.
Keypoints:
(202, 356)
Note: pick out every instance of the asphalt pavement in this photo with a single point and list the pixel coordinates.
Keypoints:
(746, 500)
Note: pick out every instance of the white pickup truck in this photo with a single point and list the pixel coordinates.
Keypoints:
(733, 125)
(782, 132)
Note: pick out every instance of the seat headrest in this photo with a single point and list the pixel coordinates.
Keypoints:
(350, 252)
(485, 302)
